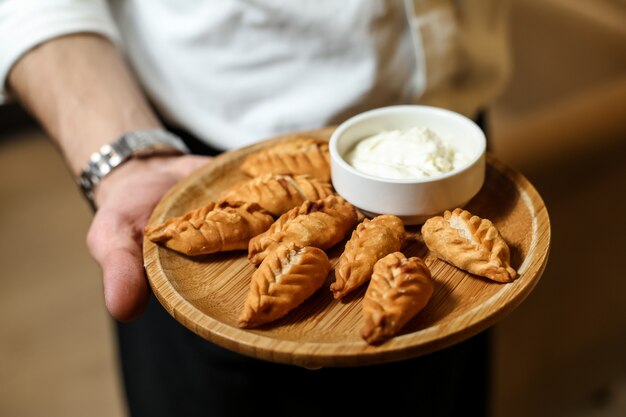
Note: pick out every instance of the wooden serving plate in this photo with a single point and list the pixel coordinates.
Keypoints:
(206, 293)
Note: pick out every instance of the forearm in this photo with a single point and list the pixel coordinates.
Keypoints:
(81, 91)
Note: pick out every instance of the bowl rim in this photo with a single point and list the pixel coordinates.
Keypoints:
(358, 118)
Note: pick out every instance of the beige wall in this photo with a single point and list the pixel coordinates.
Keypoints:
(568, 89)
(562, 122)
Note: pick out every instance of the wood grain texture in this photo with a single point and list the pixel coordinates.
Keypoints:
(206, 293)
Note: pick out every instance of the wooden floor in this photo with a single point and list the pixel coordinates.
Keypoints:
(560, 354)
(57, 353)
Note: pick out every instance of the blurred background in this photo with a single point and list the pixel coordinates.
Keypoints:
(561, 122)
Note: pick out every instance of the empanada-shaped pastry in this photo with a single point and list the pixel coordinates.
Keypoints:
(320, 223)
(469, 243)
(371, 240)
(286, 278)
(399, 289)
(304, 155)
(213, 228)
(279, 193)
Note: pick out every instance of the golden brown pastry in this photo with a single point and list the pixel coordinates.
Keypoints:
(279, 193)
(371, 240)
(321, 223)
(304, 155)
(469, 243)
(213, 228)
(286, 278)
(399, 289)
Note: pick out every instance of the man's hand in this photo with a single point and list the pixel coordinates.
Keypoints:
(92, 100)
(125, 200)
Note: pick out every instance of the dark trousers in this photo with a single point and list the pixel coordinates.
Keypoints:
(169, 371)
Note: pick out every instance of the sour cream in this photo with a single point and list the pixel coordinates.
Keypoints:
(405, 154)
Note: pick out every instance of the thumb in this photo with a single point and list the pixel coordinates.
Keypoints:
(126, 290)
(118, 252)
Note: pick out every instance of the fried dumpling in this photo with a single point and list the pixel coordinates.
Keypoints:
(304, 155)
(321, 223)
(285, 278)
(212, 228)
(371, 240)
(399, 289)
(279, 193)
(469, 243)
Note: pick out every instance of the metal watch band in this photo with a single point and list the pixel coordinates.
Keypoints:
(139, 144)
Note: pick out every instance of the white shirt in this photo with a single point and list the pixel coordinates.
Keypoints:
(233, 72)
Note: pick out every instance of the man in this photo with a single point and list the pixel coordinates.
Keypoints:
(223, 75)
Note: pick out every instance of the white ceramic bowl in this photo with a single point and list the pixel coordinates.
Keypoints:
(413, 200)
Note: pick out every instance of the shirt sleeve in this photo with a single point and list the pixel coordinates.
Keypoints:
(25, 24)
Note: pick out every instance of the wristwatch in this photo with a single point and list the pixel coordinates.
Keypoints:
(135, 144)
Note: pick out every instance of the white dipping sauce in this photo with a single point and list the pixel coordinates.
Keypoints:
(404, 154)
